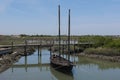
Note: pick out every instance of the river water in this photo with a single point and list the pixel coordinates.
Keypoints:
(36, 67)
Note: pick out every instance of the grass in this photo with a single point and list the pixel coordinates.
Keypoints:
(103, 51)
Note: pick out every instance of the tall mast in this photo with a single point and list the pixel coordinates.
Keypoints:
(59, 29)
(69, 35)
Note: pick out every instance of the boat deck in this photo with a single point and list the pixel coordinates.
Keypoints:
(61, 61)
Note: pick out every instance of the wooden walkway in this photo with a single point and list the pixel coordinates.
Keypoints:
(45, 43)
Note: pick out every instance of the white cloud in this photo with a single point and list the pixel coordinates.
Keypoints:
(4, 4)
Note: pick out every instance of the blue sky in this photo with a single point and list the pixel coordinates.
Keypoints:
(88, 17)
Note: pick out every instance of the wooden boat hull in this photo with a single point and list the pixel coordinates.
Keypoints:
(61, 67)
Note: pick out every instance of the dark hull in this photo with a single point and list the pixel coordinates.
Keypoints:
(61, 67)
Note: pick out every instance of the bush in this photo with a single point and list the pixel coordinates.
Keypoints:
(103, 51)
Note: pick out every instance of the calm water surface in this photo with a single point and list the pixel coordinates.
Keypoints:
(36, 67)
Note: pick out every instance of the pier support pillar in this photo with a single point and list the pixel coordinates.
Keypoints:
(63, 50)
(38, 50)
(26, 63)
(39, 59)
(74, 49)
(25, 48)
(50, 51)
(12, 47)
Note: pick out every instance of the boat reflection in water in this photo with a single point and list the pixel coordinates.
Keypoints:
(60, 75)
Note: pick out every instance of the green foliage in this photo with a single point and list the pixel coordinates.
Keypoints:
(23, 35)
(101, 41)
(114, 43)
(103, 51)
(97, 40)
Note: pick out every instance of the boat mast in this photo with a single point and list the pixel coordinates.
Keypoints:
(59, 29)
(69, 35)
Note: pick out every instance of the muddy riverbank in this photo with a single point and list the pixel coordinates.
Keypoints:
(111, 55)
(7, 60)
(102, 57)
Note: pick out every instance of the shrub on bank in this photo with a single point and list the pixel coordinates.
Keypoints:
(102, 51)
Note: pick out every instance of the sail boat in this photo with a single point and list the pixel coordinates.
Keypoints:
(57, 61)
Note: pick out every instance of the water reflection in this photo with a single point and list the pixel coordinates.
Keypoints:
(102, 64)
(32, 61)
(43, 66)
(37, 67)
(61, 76)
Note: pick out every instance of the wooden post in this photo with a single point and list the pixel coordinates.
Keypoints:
(40, 41)
(25, 48)
(12, 68)
(40, 63)
(12, 47)
(26, 63)
(74, 46)
(74, 52)
(63, 50)
(53, 41)
(50, 51)
(38, 50)
(39, 59)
